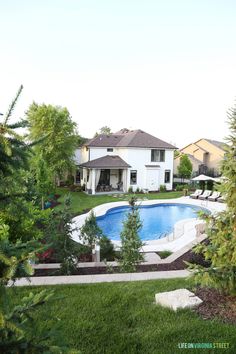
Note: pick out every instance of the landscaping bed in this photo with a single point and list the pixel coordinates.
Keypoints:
(216, 305)
(178, 264)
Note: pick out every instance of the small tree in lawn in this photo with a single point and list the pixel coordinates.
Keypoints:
(130, 240)
(90, 232)
(185, 167)
(43, 178)
(221, 227)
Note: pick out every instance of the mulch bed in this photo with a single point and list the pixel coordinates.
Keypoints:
(216, 305)
(178, 264)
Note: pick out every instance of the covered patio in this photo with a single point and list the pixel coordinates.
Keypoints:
(105, 175)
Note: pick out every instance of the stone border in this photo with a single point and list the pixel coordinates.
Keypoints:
(100, 278)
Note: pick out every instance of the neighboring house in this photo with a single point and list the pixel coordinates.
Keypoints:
(205, 155)
(128, 158)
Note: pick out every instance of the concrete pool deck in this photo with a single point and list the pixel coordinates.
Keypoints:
(185, 231)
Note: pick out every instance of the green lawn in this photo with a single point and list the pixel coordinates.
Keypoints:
(81, 201)
(122, 318)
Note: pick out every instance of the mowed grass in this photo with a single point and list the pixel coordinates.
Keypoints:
(122, 318)
(81, 201)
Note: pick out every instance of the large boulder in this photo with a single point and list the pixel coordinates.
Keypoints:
(178, 299)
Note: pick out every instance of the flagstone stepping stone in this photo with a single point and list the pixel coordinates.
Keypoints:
(178, 299)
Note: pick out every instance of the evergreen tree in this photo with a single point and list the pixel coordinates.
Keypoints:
(18, 245)
(59, 232)
(14, 152)
(90, 232)
(16, 209)
(130, 240)
(221, 227)
(17, 325)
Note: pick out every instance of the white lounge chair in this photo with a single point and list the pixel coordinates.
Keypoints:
(205, 195)
(196, 194)
(215, 195)
(221, 199)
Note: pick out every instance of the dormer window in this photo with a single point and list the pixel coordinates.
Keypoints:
(109, 149)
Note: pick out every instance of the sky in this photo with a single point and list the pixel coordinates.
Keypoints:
(167, 67)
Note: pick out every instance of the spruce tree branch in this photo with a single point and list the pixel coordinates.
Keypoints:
(12, 106)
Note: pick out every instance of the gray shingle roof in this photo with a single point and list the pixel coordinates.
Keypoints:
(108, 161)
(129, 138)
(218, 144)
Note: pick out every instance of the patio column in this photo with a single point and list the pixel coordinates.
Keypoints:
(124, 180)
(85, 174)
(93, 181)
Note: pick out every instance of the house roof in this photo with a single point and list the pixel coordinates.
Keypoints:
(194, 158)
(191, 157)
(218, 144)
(200, 148)
(108, 161)
(129, 138)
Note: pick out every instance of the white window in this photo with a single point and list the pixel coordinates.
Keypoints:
(133, 177)
(167, 176)
(157, 155)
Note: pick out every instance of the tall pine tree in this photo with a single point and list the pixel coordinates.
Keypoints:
(130, 240)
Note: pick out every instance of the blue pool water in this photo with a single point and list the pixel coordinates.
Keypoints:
(158, 220)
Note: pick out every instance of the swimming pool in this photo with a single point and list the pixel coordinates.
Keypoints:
(158, 219)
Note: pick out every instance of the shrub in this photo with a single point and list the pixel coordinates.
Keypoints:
(70, 180)
(164, 254)
(162, 188)
(107, 251)
(78, 189)
(58, 235)
(130, 190)
(181, 187)
(209, 185)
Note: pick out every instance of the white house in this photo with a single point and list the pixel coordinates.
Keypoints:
(128, 158)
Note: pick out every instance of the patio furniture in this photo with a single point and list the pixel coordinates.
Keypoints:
(99, 188)
(215, 195)
(205, 195)
(119, 185)
(108, 188)
(196, 194)
(221, 199)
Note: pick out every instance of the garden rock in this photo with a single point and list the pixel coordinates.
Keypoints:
(178, 299)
